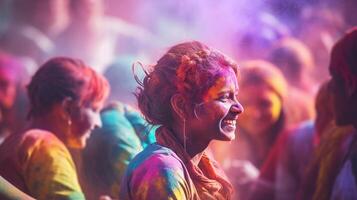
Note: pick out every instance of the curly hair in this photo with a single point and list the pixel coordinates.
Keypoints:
(188, 68)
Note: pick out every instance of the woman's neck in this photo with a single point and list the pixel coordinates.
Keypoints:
(194, 149)
(48, 123)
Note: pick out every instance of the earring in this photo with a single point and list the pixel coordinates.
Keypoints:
(69, 124)
(184, 134)
(194, 110)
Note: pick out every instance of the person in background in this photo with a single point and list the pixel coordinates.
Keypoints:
(191, 95)
(65, 99)
(284, 171)
(86, 31)
(295, 61)
(296, 151)
(98, 36)
(12, 117)
(335, 162)
(33, 26)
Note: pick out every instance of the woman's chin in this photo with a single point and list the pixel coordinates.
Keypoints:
(227, 134)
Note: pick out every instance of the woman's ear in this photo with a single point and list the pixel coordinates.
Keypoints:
(67, 104)
(178, 104)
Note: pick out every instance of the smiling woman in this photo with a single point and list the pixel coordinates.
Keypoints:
(191, 94)
(65, 98)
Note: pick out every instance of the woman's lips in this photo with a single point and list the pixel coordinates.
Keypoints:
(229, 125)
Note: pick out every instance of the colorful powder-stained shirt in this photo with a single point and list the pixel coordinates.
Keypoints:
(157, 173)
(38, 163)
(164, 170)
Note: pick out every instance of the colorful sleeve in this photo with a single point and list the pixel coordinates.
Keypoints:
(158, 183)
(50, 173)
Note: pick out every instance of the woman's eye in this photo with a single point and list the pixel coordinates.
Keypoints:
(224, 98)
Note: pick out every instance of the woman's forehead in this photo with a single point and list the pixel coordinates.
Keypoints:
(223, 82)
(228, 74)
(227, 78)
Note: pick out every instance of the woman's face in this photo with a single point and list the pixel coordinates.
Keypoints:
(84, 120)
(7, 89)
(262, 108)
(215, 117)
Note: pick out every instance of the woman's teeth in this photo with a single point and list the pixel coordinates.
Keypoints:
(230, 122)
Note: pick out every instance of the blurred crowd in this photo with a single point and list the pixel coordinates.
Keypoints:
(289, 141)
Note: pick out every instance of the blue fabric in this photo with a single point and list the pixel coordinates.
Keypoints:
(124, 133)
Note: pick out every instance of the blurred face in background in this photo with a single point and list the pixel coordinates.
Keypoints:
(262, 108)
(7, 88)
(84, 120)
(51, 16)
(7, 92)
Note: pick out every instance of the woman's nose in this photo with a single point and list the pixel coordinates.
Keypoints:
(237, 108)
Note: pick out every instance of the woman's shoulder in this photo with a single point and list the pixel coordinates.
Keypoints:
(32, 137)
(40, 137)
(156, 156)
(34, 143)
(158, 173)
(39, 142)
(39, 134)
(156, 162)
